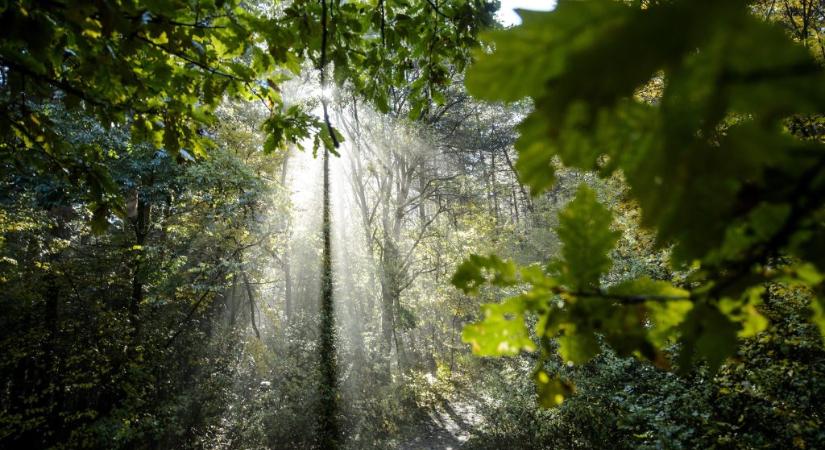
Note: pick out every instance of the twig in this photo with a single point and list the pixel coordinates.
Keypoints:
(438, 11)
(186, 58)
(810, 201)
(624, 299)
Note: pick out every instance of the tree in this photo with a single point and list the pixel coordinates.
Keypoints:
(718, 163)
(164, 358)
(162, 68)
(156, 72)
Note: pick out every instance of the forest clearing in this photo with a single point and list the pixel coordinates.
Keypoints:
(412, 224)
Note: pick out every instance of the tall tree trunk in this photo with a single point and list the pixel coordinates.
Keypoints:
(524, 195)
(391, 302)
(285, 260)
(250, 297)
(140, 221)
(329, 374)
(494, 184)
(514, 202)
(390, 291)
(232, 303)
(387, 317)
(287, 287)
(400, 351)
(54, 401)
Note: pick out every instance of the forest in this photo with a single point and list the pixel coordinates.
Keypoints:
(411, 224)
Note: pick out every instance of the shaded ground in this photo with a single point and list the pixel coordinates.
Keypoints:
(448, 427)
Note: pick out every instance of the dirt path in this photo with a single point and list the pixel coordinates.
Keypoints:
(448, 427)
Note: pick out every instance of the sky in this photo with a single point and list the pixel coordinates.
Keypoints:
(508, 17)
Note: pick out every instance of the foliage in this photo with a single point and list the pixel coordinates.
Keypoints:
(764, 398)
(169, 255)
(113, 340)
(161, 69)
(715, 162)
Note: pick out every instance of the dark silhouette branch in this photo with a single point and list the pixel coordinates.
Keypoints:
(194, 62)
(438, 11)
(322, 69)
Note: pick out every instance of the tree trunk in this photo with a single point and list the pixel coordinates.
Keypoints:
(494, 186)
(285, 262)
(140, 222)
(387, 319)
(250, 297)
(328, 416)
(53, 363)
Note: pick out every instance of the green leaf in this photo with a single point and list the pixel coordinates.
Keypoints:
(808, 274)
(577, 345)
(706, 334)
(501, 332)
(693, 156)
(666, 306)
(584, 230)
(665, 319)
(477, 270)
(527, 56)
(536, 155)
(551, 390)
(100, 219)
(751, 322)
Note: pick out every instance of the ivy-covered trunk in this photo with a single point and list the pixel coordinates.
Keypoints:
(328, 405)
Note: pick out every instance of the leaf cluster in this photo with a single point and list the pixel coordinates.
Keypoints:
(714, 161)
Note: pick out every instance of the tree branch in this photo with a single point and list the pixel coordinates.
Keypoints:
(186, 58)
(438, 11)
(321, 68)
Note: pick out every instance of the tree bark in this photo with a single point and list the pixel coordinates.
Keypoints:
(285, 261)
(328, 426)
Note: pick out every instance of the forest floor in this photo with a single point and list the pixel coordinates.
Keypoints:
(447, 427)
